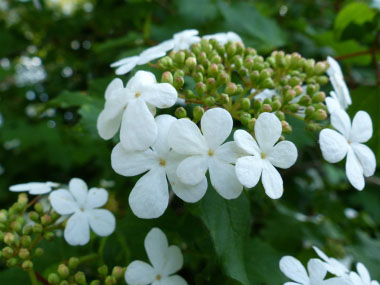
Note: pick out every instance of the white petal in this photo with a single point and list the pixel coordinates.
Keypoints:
(150, 196)
(77, 230)
(333, 145)
(156, 246)
(317, 270)
(128, 65)
(366, 157)
(138, 128)
(341, 89)
(174, 260)
(362, 129)
(354, 170)
(321, 254)
(161, 95)
(63, 202)
(78, 188)
(139, 273)
(268, 130)
(140, 80)
(223, 179)
(109, 119)
(332, 104)
(272, 181)
(171, 280)
(96, 197)
(283, 155)
(34, 188)
(248, 170)
(114, 85)
(228, 152)
(341, 121)
(356, 280)
(363, 272)
(123, 61)
(133, 162)
(161, 145)
(246, 142)
(216, 125)
(185, 138)
(102, 221)
(192, 170)
(155, 52)
(294, 269)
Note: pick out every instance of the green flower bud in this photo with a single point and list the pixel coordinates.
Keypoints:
(238, 61)
(267, 108)
(80, 278)
(280, 115)
(24, 253)
(254, 76)
(206, 46)
(276, 105)
(198, 112)
(179, 58)
(27, 265)
(250, 51)
(295, 60)
(309, 66)
(179, 73)
(202, 57)
(279, 55)
(2, 234)
(257, 104)
(243, 72)
(230, 89)
(110, 280)
(311, 126)
(251, 124)
(231, 49)
(73, 262)
(45, 220)
(39, 208)
(9, 238)
(321, 67)
(201, 88)
(223, 78)
(245, 104)
(239, 89)
(3, 216)
(53, 278)
(209, 101)
(38, 252)
(167, 77)
(216, 59)
(22, 199)
(268, 83)
(286, 128)
(189, 94)
(293, 81)
(28, 229)
(95, 282)
(248, 62)
(224, 98)
(298, 89)
(178, 82)
(312, 88)
(294, 108)
(198, 77)
(265, 73)
(290, 95)
(319, 97)
(37, 228)
(165, 63)
(196, 48)
(63, 271)
(240, 47)
(65, 282)
(322, 79)
(200, 68)
(11, 262)
(309, 111)
(213, 70)
(319, 115)
(180, 113)
(191, 63)
(34, 216)
(7, 252)
(49, 236)
(117, 272)
(210, 84)
(305, 100)
(245, 118)
(103, 270)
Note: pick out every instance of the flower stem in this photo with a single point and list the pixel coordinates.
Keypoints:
(32, 276)
(89, 257)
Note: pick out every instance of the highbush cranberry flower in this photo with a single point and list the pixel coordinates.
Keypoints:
(348, 141)
(34, 188)
(183, 40)
(132, 107)
(294, 270)
(263, 155)
(224, 38)
(166, 260)
(150, 196)
(83, 206)
(332, 265)
(362, 277)
(206, 151)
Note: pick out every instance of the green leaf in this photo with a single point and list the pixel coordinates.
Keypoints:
(356, 12)
(197, 10)
(74, 99)
(228, 222)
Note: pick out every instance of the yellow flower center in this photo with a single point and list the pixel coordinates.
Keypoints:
(210, 152)
(162, 162)
(263, 155)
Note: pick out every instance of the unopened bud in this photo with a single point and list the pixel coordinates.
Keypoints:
(322, 79)
(319, 97)
(117, 272)
(178, 82)
(198, 112)
(210, 84)
(290, 95)
(267, 108)
(309, 111)
(230, 89)
(3, 216)
(95, 282)
(245, 104)
(103, 270)
(294, 108)
(110, 280)
(80, 278)
(201, 88)
(27, 265)
(319, 115)
(213, 70)
(38, 252)
(268, 83)
(28, 229)
(34, 216)
(39, 208)
(189, 94)
(198, 77)
(49, 236)
(196, 48)
(200, 68)
(224, 98)
(276, 105)
(231, 49)
(165, 62)
(238, 61)
(209, 101)
(313, 126)
(167, 77)
(73, 262)
(65, 282)
(223, 77)
(251, 124)
(286, 128)
(280, 115)
(179, 58)
(7, 252)
(305, 100)
(293, 81)
(191, 62)
(63, 271)
(257, 104)
(22, 199)
(45, 220)
(9, 238)
(37, 228)
(53, 278)
(24, 253)
(321, 67)
(245, 118)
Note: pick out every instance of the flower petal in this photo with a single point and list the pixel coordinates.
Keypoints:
(174, 260)
(171, 280)
(283, 155)
(161, 145)
(161, 95)
(150, 196)
(227, 152)
(363, 272)
(140, 80)
(102, 221)
(341, 122)
(114, 85)
(246, 142)
(366, 157)
(362, 129)
(317, 270)
(34, 188)
(156, 246)
(223, 179)
(272, 181)
(139, 273)
(192, 170)
(294, 270)
(127, 66)
(63, 202)
(96, 197)
(138, 128)
(153, 53)
(248, 170)
(333, 145)
(268, 130)
(77, 230)
(109, 119)
(185, 138)
(216, 125)
(78, 188)
(133, 162)
(354, 170)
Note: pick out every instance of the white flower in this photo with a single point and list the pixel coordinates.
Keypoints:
(266, 93)
(294, 270)
(166, 260)
(34, 188)
(224, 38)
(264, 155)
(363, 278)
(207, 152)
(150, 196)
(83, 206)
(332, 265)
(132, 107)
(125, 65)
(338, 83)
(184, 40)
(348, 141)
(333, 103)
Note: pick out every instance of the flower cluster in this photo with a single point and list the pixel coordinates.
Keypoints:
(318, 269)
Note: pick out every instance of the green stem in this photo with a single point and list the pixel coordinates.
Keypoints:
(33, 277)
(89, 257)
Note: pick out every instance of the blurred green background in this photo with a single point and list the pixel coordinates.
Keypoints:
(54, 68)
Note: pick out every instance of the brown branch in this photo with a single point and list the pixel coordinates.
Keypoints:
(358, 53)
(374, 58)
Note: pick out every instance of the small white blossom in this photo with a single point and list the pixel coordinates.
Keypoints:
(264, 155)
(224, 38)
(334, 103)
(206, 151)
(183, 40)
(294, 270)
(266, 93)
(166, 260)
(34, 188)
(362, 277)
(83, 206)
(150, 196)
(131, 108)
(332, 265)
(348, 141)
(337, 80)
